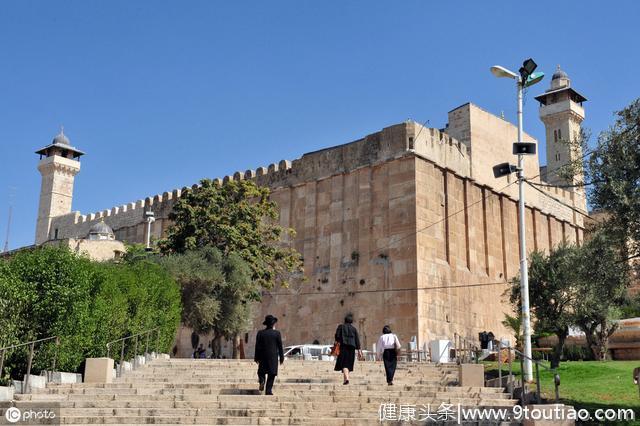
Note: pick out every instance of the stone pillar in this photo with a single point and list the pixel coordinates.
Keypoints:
(471, 375)
(98, 370)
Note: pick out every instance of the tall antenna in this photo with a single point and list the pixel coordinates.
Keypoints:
(6, 240)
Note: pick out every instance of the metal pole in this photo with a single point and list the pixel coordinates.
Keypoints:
(538, 383)
(523, 383)
(121, 358)
(500, 362)
(510, 373)
(25, 384)
(1, 362)
(55, 354)
(524, 273)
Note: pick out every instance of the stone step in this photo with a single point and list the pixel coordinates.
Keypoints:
(318, 366)
(285, 387)
(370, 412)
(265, 402)
(379, 378)
(259, 401)
(283, 372)
(210, 387)
(191, 391)
(198, 400)
(325, 367)
(242, 420)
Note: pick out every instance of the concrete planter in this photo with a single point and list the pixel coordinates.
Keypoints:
(61, 377)
(6, 393)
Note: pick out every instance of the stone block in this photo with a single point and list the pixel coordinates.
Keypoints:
(61, 377)
(37, 382)
(98, 370)
(439, 350)
(126, 366)
(139, 361)
(471, 375)
(549, 415)
(6, 393)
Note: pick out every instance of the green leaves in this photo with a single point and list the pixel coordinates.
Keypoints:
(577, 286)
(216, 289)
(236, 217)
(614, 169)
(51, 291)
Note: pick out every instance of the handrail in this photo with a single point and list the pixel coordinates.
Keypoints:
(6, 348)
(146, 333)
(556, 376)
(31, 344)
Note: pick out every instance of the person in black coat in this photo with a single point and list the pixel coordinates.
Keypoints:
(268, 350)
(347, 336)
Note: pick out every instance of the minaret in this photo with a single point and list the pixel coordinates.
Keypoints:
(562, 113)
(59, 164)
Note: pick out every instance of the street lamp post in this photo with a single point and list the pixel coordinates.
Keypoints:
(150, 219)
(525, 78)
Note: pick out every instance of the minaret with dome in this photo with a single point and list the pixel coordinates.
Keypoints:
(562, 113)
(59, 164)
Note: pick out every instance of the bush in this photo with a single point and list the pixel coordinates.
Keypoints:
(576, 353)
(49, 291)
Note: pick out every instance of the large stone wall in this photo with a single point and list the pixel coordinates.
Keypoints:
(371, 223)
(468, 241)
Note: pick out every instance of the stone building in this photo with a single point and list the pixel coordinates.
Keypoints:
(99, 245)
(406, 226)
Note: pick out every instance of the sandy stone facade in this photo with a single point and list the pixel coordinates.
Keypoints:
(100, 251)
(406, 226)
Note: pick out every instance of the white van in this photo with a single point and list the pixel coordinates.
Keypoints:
(309, 352)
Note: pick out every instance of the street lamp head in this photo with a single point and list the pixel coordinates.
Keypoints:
(534, 78)
(502, 72)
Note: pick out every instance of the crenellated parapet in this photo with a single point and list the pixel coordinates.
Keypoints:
(398, 141)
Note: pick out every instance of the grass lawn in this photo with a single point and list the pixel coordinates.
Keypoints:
(588, 384)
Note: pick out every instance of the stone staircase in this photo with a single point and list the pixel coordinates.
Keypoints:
(188, 391)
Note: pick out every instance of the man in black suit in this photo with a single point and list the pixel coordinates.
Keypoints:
(268, 350)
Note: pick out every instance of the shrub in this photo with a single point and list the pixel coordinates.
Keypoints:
(49, 291)
(576, 353)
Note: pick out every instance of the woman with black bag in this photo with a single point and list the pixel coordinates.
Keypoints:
(388, 347)
(349, 341)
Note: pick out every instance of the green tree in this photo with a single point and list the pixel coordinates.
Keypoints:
(514, 323)
(552, 293)
(603, 280)
(216, 292)
(614, 170)
(236, 217)
(610, 172)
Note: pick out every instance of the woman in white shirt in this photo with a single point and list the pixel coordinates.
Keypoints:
(387, 348)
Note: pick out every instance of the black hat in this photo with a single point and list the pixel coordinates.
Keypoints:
(270, 320)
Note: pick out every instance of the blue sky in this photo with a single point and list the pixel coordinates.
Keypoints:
(160, 94)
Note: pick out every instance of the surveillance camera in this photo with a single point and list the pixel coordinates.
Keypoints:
(149, 214)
